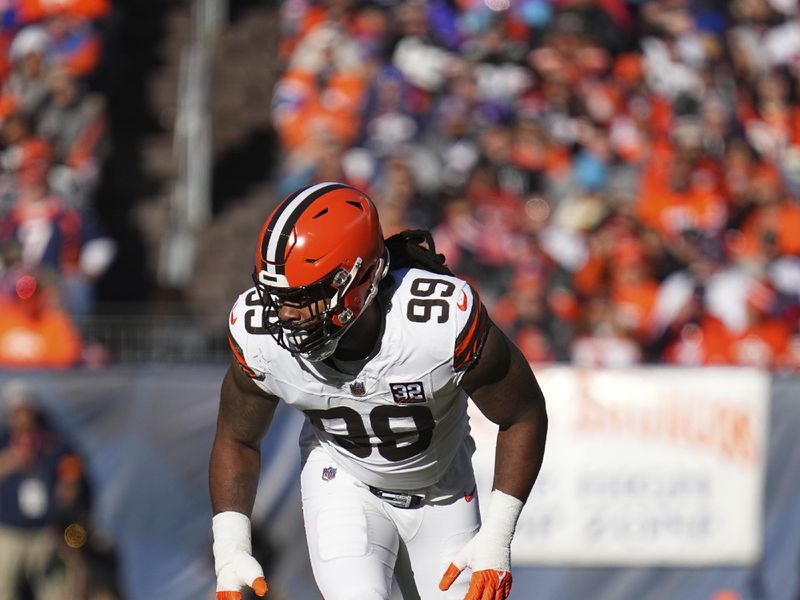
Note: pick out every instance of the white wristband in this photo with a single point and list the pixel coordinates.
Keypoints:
(231, 536)
(491, 546)
(501, 518)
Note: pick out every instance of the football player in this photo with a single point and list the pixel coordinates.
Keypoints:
(379, 345)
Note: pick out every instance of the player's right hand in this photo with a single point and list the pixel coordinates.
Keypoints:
(487, 584)
(491, 569)
(241, 571)
(488, 553)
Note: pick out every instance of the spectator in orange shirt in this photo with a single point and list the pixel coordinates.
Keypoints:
(682, 329)
(633, 288)
(702, 339)
(773, 230)
(764, 342)
(679, 192)
(34, 331)
(773, 227)
(602, 339)
(321, 90)
(698, 341)
(523, 313)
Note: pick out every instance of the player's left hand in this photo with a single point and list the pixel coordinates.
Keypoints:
(490, 561)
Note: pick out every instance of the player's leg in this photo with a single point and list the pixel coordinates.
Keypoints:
(405, 586)
(434, 533)
(352, 542)
(443, 531)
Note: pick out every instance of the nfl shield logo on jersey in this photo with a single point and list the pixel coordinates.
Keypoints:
(328, 473)
(357, 388)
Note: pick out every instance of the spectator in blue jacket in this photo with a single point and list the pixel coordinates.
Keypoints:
(36, 469)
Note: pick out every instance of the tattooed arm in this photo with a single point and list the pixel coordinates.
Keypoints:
(245, 413)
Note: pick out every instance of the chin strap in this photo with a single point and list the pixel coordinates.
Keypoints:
(380, 272)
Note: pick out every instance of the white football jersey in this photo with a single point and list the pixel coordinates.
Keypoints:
(398, 422)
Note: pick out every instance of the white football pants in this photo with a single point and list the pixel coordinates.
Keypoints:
(357, 542)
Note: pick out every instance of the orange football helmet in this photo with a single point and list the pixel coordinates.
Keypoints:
(323, 242)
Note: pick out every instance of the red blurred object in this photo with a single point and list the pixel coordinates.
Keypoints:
(33, 150)
(37, 10)
(26, 287)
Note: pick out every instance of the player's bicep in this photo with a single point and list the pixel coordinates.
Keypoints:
(501, 382)
(245, 410)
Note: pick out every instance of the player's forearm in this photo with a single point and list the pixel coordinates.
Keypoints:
(233, 476)
(520, 451)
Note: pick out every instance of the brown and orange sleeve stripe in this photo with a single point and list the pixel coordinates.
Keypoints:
(471, 339)
(238, 354)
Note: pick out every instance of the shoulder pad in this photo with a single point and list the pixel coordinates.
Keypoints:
(473, 321)
(242, 314)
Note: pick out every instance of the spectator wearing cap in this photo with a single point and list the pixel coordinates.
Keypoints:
(35, 465)
(52, 234)
(30, 68)
(74, 123)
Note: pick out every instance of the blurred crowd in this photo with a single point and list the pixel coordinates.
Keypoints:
(53, 139)
(620, 179)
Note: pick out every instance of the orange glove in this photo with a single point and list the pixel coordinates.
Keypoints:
(233, 562)
(259, 587)
(484, 585)
(488, 553)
